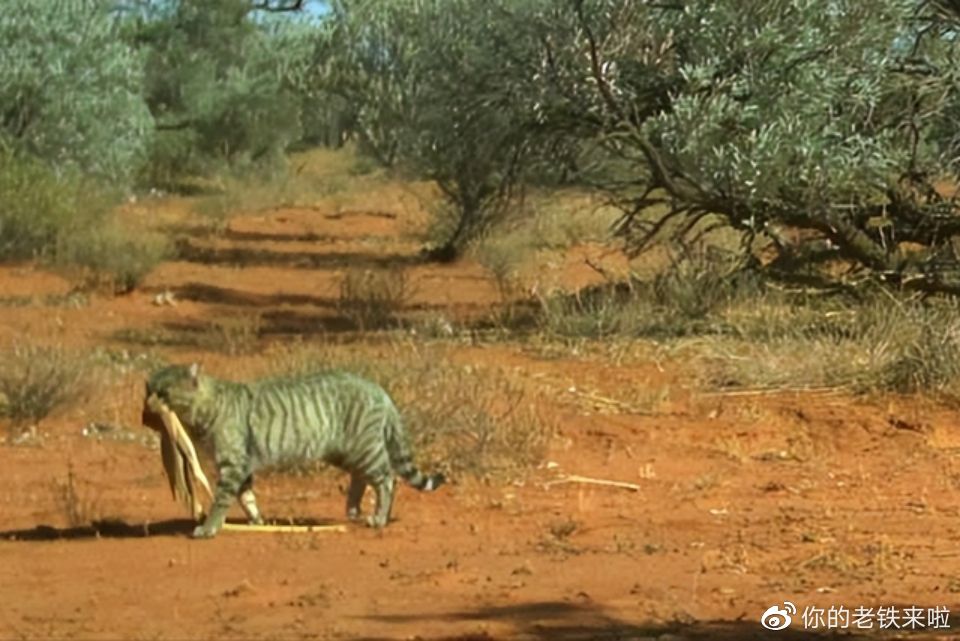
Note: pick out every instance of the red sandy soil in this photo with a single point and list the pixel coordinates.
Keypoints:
(744, 501)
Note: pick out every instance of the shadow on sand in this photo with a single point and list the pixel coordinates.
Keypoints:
(563, 621)
(204, 293)
(119, 529)
(219, 295)
(106, 529)
(252, 257)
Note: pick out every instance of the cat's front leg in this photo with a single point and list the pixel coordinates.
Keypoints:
(232, 477)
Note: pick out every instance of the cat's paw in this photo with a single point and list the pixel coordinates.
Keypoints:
(375, 522)
(202, 532)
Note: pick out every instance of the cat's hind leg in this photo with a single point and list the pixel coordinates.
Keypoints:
(384, 486)
(248, 502)
(358, 485)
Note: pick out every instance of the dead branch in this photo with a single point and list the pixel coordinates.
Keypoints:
(573, 478)
(293, 529)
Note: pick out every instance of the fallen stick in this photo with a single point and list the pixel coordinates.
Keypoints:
(612, 402)
(573, 478)
(244, 527)
(772, 391)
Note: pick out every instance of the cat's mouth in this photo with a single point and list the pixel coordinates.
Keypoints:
(151, 416)
(152, 420)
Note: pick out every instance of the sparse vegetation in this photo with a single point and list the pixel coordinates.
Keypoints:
(167, 337)
(479, 422)
(601, 313)
(700, 280)
(110, 256)
(746, 336)
(308, 179)
(502, 258)
(77, 505)
(237, 334)
(73, 299)
(40, 206)
(686, 296)
(545, 221)
(372, 299)
(65, 221)
(883, 344)
(37, 379)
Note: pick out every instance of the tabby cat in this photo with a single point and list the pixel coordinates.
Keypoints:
(338, 418)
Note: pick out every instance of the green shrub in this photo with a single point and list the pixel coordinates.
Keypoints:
(36, 204)
(111, 256)
(65, 221)
(72, 88)
(218, 83)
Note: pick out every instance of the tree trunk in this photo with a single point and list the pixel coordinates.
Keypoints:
(454, 246)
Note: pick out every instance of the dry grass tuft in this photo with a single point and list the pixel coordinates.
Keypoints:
(37, 379)
(309, 179)
(78, 507)
(686, 297)
(237, 334)
(882, 344)
(373, 299)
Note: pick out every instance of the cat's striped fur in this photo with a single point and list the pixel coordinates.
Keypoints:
(338, 418)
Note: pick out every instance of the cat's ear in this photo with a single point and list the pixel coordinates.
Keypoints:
(195, 372)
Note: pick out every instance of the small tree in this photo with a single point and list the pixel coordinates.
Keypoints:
(427, 85)
(218, 84)
(367, 57)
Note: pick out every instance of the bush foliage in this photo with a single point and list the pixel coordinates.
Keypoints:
(71, 88)
(821, 132)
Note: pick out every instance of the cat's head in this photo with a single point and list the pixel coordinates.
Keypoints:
(180, 387)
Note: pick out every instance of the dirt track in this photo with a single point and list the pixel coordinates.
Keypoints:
(744, 502)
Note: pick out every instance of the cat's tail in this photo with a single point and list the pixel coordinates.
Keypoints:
(401, 459)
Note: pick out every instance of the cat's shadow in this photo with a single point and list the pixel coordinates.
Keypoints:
(119, 529)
